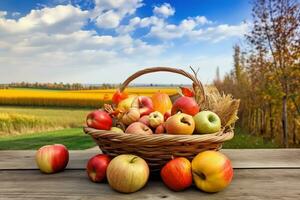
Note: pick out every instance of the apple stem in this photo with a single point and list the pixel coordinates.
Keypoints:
(201, 175)
(132, 160)
(183, 120)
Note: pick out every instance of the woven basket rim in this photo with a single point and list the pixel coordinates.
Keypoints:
(219, 137)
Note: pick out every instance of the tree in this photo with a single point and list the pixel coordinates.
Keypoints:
(276, 34)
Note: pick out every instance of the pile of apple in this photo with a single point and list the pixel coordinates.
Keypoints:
(156, 115)
(211, 171)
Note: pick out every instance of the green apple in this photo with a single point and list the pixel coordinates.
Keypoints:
(207, 122)
(116, 130)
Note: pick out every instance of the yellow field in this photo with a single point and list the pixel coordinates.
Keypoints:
(65, 98)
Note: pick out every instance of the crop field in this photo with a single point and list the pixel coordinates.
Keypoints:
(67, 98)
(24, 120)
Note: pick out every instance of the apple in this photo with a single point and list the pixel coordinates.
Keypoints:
(145, 105)
(177, 174)
(187, 105)
(212, 171)
(99, 119)
(160, 129)
(138, 128)
(207, 122)
(52, 158)
(155, 119)
(116, 130)
(145, 120)
(180, 124)
(127, 173)
(125, 104)
(161, 102)
(96, 167)
(167, 115)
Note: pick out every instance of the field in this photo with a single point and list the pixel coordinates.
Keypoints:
(69, 98)
(24, 120)
(30, 118)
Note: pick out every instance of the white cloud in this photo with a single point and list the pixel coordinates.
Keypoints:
(137, 22)
(3, 13)
(109, 19)
(165, 10)
(192, 27)
(220, 32)
(62, 18)
(15, 14)
(109, 13)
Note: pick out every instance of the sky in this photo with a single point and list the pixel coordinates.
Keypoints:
(105, 41)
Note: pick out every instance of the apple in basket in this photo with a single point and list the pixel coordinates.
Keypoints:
(52, 158)
(212, 171)
(96, 167)
(127, 173)
(116, 130)
(180, 124)
(207, 122)
(160, 129)
(145, 105)
(186, 105)
(99, 119)
(155, 119)
(177, 174)
(145, 120)
(138, 128)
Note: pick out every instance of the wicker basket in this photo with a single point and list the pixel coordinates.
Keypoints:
(157, 149)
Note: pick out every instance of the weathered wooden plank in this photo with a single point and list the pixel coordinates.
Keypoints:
(242, 158)
(74, 184)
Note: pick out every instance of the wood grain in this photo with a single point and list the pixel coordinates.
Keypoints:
(74, 184)
(241, 159)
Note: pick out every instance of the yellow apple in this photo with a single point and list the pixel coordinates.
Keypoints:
(212, 171)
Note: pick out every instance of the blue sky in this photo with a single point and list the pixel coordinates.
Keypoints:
(100, 41)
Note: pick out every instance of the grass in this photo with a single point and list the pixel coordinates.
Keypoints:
(19, 120)
(242, 140)
(75, 139)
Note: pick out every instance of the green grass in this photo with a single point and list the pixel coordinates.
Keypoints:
(72, 138)
(75, 139)
(242, 140)
(47, 119)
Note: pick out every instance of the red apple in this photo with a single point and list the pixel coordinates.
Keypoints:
(145, 105)
(138, 128)
(52, 158)
(96, 167)
(180, 124)
(177, 174)
(160, 129)
(187, 105)
(145, 120)
(99, 119)
(167, 115)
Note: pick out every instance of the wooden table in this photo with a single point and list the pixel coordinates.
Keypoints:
(258, 174)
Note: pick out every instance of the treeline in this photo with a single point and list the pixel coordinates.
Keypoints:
(58, 86)
(266, 75)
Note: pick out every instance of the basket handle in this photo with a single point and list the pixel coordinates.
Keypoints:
(197, 85)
